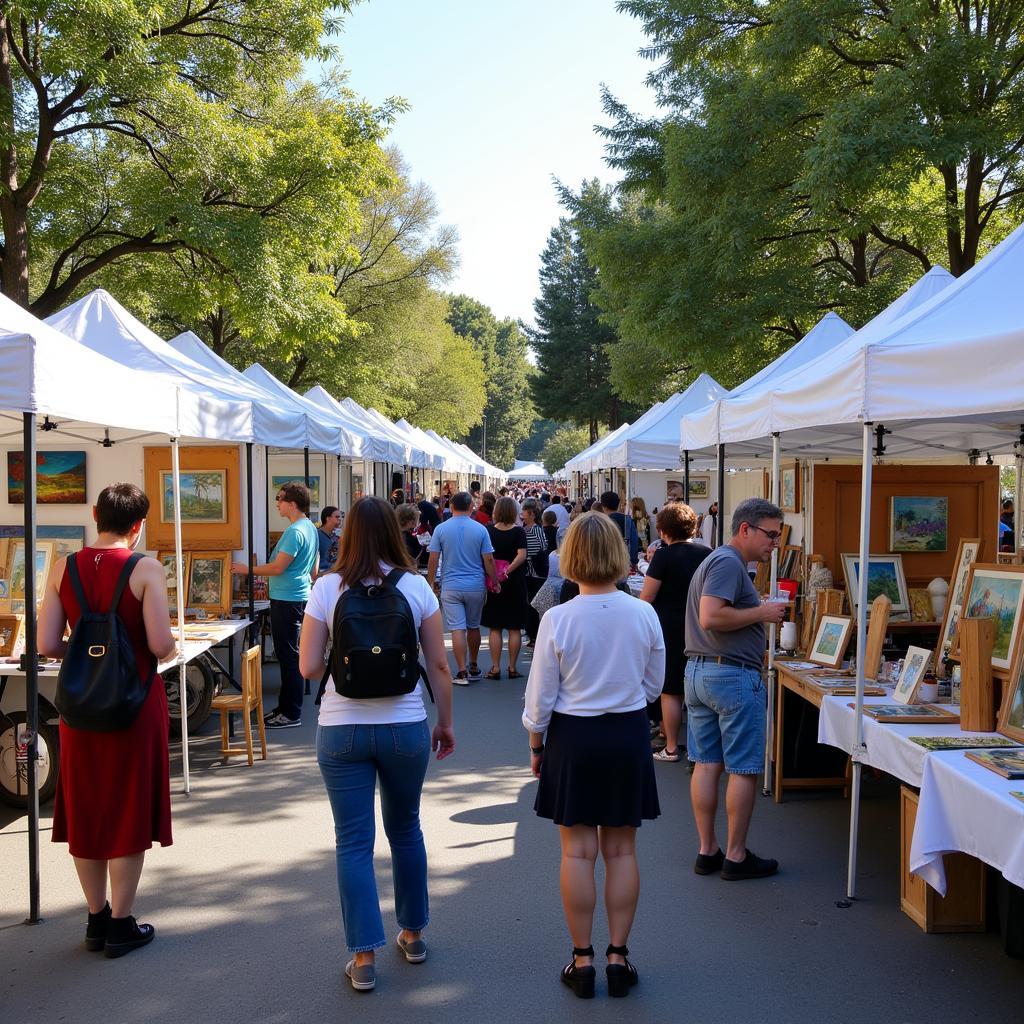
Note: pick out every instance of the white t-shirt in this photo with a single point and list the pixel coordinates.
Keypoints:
(561, 514)
(407, 707)
(595, 655)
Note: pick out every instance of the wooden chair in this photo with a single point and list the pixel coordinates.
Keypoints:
(249, 700)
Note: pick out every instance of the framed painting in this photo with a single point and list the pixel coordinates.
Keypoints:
(966, 555)
(789, 487)
(915, 665)
(60, 478)
(211, 498)
(700, 486)
(996, 592)
(15, 572)
(918, 524)
(789, 562)
(277, 482)
(920, 605)
(10, 634)
(885, 576)
(209, 582)
(1011, 712)
(831, 639)
(203, 496)
(169, 560)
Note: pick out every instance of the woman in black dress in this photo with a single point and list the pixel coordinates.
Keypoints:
(536, 562)
(666, 587)
(507, 609)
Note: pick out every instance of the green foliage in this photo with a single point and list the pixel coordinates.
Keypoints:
(564, 443)
(501, 346)
(542, 429)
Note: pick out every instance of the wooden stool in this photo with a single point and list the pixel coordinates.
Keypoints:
(249, 700)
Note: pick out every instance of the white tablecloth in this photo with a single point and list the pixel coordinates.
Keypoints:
(965, 807)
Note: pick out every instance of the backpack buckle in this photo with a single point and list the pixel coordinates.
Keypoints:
(97, 651)
(375, 650)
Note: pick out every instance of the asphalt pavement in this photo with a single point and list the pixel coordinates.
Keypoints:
(249, 927)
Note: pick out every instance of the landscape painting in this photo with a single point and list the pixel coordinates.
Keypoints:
(997, 593)
(277, 482)
(203, 496)
(700, 487)
(885, 576)
(60, 478)
(918, 524)
(831, 639)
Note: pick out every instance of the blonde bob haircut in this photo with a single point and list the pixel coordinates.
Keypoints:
(505, 511)
(593, 551)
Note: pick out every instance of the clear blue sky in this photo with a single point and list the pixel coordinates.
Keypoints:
(503, 97)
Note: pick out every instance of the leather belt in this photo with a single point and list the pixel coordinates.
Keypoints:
(719, 660)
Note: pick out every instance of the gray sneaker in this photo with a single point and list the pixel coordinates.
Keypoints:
(461, 679)
(280, 721)
(474, 674)
(364, 979)
(415, 951)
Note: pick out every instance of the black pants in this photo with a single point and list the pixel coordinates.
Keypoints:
(285, 624)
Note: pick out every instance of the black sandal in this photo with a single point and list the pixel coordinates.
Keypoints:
(495, 673)
(580, 979)
(621, 977)
(515, 675)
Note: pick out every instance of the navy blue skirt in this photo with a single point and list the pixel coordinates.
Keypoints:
(598, 771)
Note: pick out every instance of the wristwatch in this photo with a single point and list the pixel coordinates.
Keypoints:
(537, 750)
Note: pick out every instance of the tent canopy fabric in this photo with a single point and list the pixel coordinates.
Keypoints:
(945, 377)
(382, 445)
(444, 457)
(585, 462)
(652, 442)
(470, 465)
(525, 470)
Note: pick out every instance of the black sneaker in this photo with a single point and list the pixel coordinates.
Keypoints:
(279, 721)
(96, 930)
(709, 863)
(126, 934)
(750, 867)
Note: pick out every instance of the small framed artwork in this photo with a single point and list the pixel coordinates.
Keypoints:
(209, 582)
(1011, 712)
(169, 560)
(918, 524)
(831, 639)
(920, 605)
(996, 592)
(885, 576)
(10, 634)
(914, 667)
(60, 478)
(277, 482)
(16, 569)
(789, 562)
(789, 487)
(203, 496)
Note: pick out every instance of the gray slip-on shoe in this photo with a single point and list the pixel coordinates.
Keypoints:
(415, 951)
(364, 978)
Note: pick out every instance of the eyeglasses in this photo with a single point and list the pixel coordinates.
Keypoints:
(773, 535)
(280, 497)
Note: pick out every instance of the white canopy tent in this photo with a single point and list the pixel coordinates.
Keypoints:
(489, 472)
(442, 454)
(379, 447)
(526, 470)
(586, 461)
(469, 462)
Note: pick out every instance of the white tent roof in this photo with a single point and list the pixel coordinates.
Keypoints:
(946, 376)
(415, 455)
(278, 421)
(469, 465)
(584, 462)
(444, 456)
(377, 447)
(208, 408)
(652, 441)
(488, 469)
(528, 470)
(349, 439)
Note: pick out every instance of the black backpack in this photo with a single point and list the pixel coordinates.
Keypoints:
(374, 645)
(98, 686)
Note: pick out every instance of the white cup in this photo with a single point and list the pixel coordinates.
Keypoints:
(927, 693)
(788, 637)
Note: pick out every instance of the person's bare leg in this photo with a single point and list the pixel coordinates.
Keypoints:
(494, 646)
(125, 873)
(92, 876)
(671, 716)
(621, 884)
(576, 880)
(473, 640)
(739, 807)
(515, 645)
(704, 798)
(459, 648)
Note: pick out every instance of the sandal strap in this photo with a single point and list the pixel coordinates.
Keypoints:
(617, 950)
(589, 951)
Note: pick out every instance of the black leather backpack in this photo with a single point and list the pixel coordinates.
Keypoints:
(98, 686)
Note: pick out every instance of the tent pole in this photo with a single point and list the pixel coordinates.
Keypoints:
(30, 666)
(772, 629)
(182, 601)
(1018, 495)
(686, 477)
(305, 464)
(266, 495)
(862, 614)
(250, 632)
(720, 539)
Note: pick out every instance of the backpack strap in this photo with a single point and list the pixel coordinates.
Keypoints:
(392, 578)
(71, 567)
(122, 580)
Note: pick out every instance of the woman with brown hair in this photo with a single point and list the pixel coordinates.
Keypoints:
(113, 790)
(507, 608)
(361, 740)
(598, 660)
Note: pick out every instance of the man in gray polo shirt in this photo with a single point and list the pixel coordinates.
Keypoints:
(725, 692)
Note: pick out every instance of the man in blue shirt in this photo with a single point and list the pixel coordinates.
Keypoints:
(291, 569)
(327, 537)
(466, 554)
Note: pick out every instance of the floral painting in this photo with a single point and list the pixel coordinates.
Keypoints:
(918, 524)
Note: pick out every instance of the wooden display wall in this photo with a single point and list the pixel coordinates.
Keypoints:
(972, 491)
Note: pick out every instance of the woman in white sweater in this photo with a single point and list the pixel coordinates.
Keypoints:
(598, 660)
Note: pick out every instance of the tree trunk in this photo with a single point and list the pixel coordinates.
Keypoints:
(973, 184)
(593, 430)
(13, 213)
(954, 238)
(861, 277)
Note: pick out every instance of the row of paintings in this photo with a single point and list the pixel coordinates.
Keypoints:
(206, 576)
(52, 543)
(204, 495)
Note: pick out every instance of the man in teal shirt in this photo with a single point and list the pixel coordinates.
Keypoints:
(291, 570)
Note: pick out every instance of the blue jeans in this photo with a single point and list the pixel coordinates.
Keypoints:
(285, 626)
(351, 757)
(725, 716)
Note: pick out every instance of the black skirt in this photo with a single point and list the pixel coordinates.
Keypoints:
(598, 771)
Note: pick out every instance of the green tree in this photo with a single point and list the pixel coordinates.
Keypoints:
(502, 347)
(564, 443)
(542, 429)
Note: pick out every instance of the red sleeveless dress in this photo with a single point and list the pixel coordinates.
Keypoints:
(114, 788)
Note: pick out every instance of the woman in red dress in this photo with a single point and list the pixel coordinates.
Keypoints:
(113, 790)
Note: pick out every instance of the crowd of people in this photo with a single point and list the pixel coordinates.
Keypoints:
(359, 611)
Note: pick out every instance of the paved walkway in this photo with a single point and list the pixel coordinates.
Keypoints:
(246, 908)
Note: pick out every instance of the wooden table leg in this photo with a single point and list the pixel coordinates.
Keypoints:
(780, 716)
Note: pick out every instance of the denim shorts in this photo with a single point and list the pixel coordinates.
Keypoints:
(462, 608)
(725, 710)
